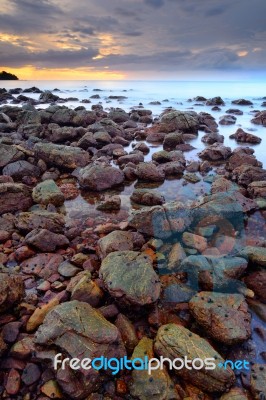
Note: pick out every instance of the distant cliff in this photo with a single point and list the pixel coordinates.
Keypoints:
(6, 76)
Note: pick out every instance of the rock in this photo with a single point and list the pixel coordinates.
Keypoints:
(18, 169)
(173, 168)
(11, 291)
(42, 265)
(257, 189)
(192, 178)
(86, 290)
(31, 374)
(134, 158)
(176, 256)
(48, 97)
(155, 137)
(118, 115)
(110, 203)
(87, 140)
(13, 382)
(260, 118)
(234, 111)
(120, 271)
(244, 137)
(173, 341)
(100, 177)
(246, 174)
(258, 381)
(149, 172)
(51, 390)
(240, 158)
(215, 101)
(27, 221)
(256, 281)
(206, 120)
(242, 102)
(61, 156)
(14, 197)
(195, 241)
(46, 240)
(40, 313)
(157, 385)
(171, 140)
(147, 197)
(48, 192)
(79, 331)
(128, 332)
(227, 120)
(218, 312)
(142, 147)
(215, 152)
(120, 241)
(179, 121)
(213, 137)
(67, 270)
(256, 255)
(213, 273)
(235, 394)
(177, 293)
(9, 154)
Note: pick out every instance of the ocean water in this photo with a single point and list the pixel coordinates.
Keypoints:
(170, 94)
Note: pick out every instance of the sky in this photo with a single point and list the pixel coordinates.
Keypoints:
(132, 39)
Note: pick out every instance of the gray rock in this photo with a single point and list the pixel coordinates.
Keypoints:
(9, 154)
(100, 177)
(18, 169)
(149, 172)
(147, 197)
(216, 152)
(120, 241)
(45, 240)
(129, 276)
(40, 219)
(48, 192)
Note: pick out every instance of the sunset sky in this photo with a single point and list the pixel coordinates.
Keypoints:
(132, 39)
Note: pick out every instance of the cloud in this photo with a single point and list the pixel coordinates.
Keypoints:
(154, 3)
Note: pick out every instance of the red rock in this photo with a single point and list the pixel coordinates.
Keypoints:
(42, 265)
(24, 252)
(13, 382)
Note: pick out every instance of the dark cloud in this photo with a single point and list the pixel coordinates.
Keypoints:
(133, 33)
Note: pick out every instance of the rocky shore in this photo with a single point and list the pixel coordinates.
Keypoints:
(133, 274)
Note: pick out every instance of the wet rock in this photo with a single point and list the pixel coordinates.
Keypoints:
(208, 121)
(46, 240)
(67, 270)
(175, 341)
(173, 168)
(256, 255)
(176, 256)
(152, 222)
(61, 156)
(234, 111)
(142, 147)
(256, 281)
(48, 97)
(246, 174)
(216, 152)
(215, 101)
(9, 154)
(27, 221)
(48, 192)
(122, 269)
(242, 102)
(149, 172)
(31, 374)
(192, 178)
(18, 169)
(147, 197)
(155, 137)
(118, 115)
(227, 120)
(260, 118)
(86, 290)
(258, 381)
(120, 241)
(195, 241)
(171, 140)
(87, 334)
(244, 137)
(179, 121)
(213, 273)
(134, 158)
(42, 265)
(213, 137)
(157, 385)
(100, 177)
(177, 293)
(241, 157)
(110, 203)
(257, 189)
(217, 313)
(235, 394)
(128, 332)
(87, 140)
(11, 291)
(14, 197)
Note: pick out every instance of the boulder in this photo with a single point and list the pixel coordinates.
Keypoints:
(61, 156)
(121, 270)
(257, 189)
(14, 197)
(110, 203)
(11, 291)
(171, 140)
(18, 169)
(256, 255)
(48, 97)
(149, 172)
(9, 154)
(135, 158)
(213, 137)
(227, 120)
(241, 157)
(120, 241)
(147, 197)
(87, 140)
(242, 102)
(246, 174)
(206, 120)
(217, 313)
(79, 331)
(174, 341)
(40, 219)
(46, 240)
(100, 177)
(244, 137)
(185, 122)
(260, 118)
(173, 168)
(215, 152)
(42, 265)
(215, 101)
(47, 192)
(118, 115)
